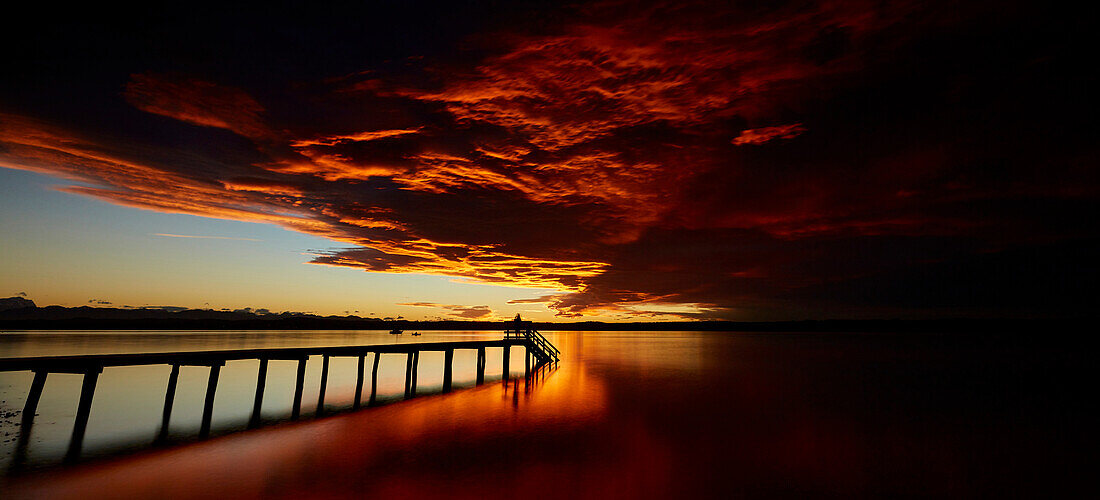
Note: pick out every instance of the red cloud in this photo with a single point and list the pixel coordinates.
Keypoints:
(759, 136)
(595, 159)
(198, 102)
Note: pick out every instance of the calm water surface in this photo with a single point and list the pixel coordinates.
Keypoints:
(625, 414)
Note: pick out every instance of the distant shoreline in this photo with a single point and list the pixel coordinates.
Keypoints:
(319, 323)
(25, 315)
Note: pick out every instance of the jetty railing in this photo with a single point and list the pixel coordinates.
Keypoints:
(90, 366)
(538, 345)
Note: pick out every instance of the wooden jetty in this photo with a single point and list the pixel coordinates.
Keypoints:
(539, 351)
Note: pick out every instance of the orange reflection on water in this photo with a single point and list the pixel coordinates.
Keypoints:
(665, 415)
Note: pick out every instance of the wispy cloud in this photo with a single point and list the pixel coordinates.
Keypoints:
(459, 311)
(536, 300)
(169, 235)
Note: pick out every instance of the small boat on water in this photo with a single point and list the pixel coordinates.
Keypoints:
(396, 331)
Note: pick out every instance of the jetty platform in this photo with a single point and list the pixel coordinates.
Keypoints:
(539, 352)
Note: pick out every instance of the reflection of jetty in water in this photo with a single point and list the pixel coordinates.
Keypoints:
(539, 352)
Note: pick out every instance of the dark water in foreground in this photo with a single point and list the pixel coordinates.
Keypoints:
(632, 414)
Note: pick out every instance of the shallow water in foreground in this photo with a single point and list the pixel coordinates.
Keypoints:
(625, 414)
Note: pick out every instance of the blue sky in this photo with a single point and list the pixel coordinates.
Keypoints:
(66, 249)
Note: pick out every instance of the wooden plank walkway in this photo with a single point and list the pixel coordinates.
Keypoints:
(81, 363)
(538, 350)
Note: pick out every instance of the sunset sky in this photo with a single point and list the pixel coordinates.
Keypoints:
(614, 161)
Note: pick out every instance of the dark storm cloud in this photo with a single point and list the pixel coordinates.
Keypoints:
(645, 159)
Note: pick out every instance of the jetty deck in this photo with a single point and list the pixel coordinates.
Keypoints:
(539, 351)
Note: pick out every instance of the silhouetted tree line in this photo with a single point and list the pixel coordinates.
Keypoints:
(102, 318)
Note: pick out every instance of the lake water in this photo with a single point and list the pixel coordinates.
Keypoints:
(625, 414)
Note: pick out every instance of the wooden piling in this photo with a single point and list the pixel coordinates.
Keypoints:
(30, 407)
(258, 403)
(374, 379)
(324, 385)
(83, 410)
(208, 406)
(448, 368)
(480, 365)
(169, 400)
(359, 382)
(296, 410)
(408, 372)
(415, 373)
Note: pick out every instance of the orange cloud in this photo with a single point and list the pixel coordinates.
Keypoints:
(757, 136)
(477, 264)
(265, 186)
(370, 135)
